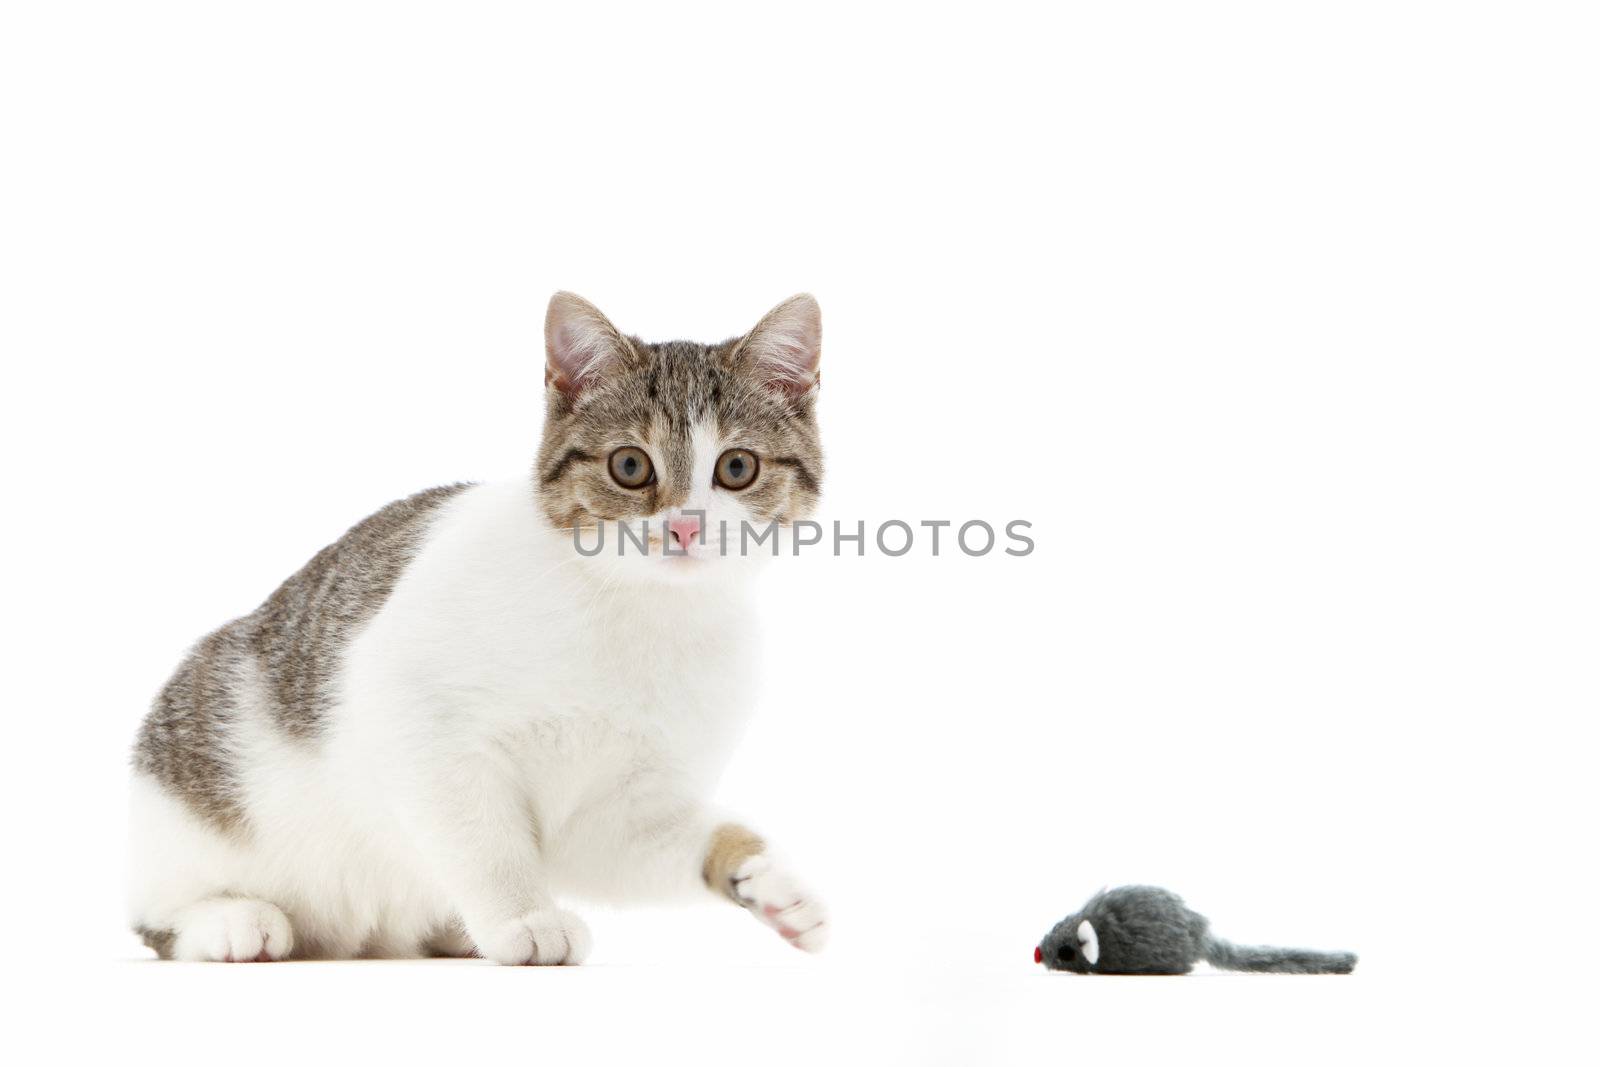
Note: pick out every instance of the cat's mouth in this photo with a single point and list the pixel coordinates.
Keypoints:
(695, 552)
(698, 557)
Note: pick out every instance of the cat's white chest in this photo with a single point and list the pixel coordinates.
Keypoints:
(635, 705)
(675, 687)
(497, 635)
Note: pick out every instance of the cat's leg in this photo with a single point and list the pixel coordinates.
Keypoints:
(737, 864)
(664, 846)
(475, 828)
(190, 895)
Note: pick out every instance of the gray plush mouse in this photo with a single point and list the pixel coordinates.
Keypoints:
(1139, 929)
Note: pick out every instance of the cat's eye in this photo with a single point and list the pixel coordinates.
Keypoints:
(631, 468)
(737, 468)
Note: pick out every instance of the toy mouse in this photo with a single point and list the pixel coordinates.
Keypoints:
(1139, 929)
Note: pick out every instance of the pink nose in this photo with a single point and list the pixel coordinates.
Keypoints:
(683, 530)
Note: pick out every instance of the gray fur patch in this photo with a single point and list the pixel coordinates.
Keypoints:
(159, 940)
(293, 642)
(183, 743)
(300, 632)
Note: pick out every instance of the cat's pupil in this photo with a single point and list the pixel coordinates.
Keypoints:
(736, 468)
(630, 466)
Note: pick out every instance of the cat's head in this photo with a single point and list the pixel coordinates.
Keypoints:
(696, 440)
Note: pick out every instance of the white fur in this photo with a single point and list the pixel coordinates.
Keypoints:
(240, 931)
(777, 898)
(516, 723)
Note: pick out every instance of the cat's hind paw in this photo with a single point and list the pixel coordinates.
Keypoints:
(232, 930)
(539, 938)
(778, 899)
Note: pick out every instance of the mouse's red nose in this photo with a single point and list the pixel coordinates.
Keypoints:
(1038, 954)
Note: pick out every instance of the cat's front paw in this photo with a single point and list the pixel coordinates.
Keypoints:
(539, 938)
(778, 899)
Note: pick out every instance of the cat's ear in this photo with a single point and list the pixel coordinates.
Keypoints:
(579, 343)
(785, 347)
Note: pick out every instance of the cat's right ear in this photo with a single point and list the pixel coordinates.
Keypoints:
(579, 342)
(783, 350)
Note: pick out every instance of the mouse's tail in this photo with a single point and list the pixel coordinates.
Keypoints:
(1280, 960)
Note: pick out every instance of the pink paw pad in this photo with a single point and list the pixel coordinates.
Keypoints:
(788, 933)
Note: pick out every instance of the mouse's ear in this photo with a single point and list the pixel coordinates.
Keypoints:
(1089, 942)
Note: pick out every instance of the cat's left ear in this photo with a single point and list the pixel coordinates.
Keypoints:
(580, 344)
(785, 347)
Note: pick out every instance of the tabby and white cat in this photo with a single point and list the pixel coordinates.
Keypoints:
(451, 716)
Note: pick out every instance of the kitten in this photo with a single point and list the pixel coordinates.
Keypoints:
(451, 716)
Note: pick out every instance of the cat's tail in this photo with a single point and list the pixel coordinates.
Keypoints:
(1231, 957)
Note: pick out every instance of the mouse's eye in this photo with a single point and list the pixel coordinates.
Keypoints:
(1066, 951)
(1089, 941)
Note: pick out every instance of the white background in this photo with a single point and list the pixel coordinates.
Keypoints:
(1277, 321)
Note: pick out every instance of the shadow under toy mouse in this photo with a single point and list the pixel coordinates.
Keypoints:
(1139, 929)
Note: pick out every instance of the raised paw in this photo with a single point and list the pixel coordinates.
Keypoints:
(778, 899)
(540, 938)
(233, 930)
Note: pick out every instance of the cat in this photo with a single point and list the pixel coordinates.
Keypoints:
(451, 717)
